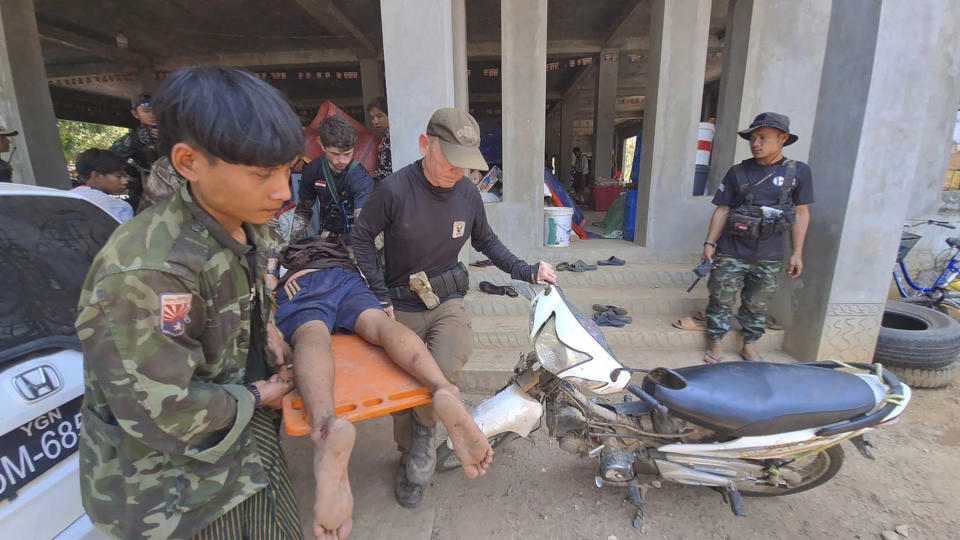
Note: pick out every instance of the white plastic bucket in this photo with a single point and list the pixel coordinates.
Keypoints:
(557, 224)
(704, 142)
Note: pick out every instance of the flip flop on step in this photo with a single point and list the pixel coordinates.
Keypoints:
(618, 310)
(710, 358)
(612, 261)
(490, 288)
(581, 266)
(608, 318)
(700, 316)
(687, 323)
(562, 266)
(757, 359)
(772, 324)
(614, 315)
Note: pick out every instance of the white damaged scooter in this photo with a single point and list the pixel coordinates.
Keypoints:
(752, 428)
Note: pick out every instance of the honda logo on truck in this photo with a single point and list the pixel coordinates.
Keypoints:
(37, 383)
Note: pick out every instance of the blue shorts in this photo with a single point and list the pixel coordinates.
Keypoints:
(335, 296)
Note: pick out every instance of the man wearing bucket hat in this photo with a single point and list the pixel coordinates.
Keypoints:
(6, 171)
(427, 211)
(760, 202)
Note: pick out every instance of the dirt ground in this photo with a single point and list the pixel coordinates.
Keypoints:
(539, 491)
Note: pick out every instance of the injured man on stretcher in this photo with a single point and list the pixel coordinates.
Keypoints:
(321, 293)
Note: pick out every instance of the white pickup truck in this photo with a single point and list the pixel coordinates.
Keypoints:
(48, 238)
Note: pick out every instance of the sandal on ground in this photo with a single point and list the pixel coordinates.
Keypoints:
(700, 316)
(605, 319)
(688, 323)
(710, 358)
(757, 359)
(772, 324)
(612, 261)
(581, 266)
(510, 291)
(490, 288)
(562, 266)
(625, 318)
(618, 310)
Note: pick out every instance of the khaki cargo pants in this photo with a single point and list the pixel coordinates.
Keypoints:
(448, 334)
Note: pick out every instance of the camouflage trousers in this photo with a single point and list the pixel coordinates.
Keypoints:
(756, 281)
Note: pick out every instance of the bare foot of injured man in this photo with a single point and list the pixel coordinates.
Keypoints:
(469, 444)
(333, 510)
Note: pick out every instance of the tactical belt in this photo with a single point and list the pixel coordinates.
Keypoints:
(455, 280)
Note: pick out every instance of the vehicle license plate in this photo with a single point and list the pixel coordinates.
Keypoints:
(33, 448)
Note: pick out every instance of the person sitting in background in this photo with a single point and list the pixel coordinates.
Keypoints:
(6, 171)
(104, 178)
(377, 109)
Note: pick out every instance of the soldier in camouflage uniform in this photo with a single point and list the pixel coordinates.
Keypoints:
(139, 146)
(759, 202)
(180, 427)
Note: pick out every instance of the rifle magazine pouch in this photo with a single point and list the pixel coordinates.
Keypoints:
(745, 223)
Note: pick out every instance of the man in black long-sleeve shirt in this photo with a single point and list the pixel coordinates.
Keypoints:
(427, 210)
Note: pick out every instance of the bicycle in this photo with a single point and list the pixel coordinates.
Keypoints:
(943, 291)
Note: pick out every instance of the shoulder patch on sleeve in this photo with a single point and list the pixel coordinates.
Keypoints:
(175, 310)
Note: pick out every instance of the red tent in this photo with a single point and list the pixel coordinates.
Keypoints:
(366, 150)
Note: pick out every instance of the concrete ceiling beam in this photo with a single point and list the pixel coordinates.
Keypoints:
(55, 33)
(278, 58)
(337, 23)
(622, 23)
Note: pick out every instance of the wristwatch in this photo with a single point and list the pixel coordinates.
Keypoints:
(711, 244)
(273, 271)
(256, 394)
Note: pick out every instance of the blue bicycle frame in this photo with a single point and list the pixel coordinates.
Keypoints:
(949, 273)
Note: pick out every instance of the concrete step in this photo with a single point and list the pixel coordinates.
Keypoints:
(668, 301)
(596, 249)
(645, 275)
(651, 331)
(489, 369)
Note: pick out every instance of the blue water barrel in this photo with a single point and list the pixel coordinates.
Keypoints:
(700, 180)
(630, 215)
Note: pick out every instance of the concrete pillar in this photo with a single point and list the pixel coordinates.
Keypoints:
(371, 85)
(418, 67)
(461, 90)
(669, 217)
(936, 131)
(604, 114)
(568, 114)
(771, 63)
(25, 103)
(880, 66)
(519, 218)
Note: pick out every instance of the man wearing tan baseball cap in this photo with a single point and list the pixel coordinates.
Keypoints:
(427, 211)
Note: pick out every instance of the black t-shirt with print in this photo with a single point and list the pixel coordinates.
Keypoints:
(424, 228)
(769, 247)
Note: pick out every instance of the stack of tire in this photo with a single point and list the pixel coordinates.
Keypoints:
(919, 345)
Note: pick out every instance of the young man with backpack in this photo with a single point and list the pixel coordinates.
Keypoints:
(760, 202)
(336, 183)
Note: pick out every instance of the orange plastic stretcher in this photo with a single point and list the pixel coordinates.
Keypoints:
(367, 384)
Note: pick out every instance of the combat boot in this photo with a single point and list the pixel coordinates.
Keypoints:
(422, 459)
(408, 494)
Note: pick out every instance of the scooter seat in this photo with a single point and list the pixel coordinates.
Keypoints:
(761, 398)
